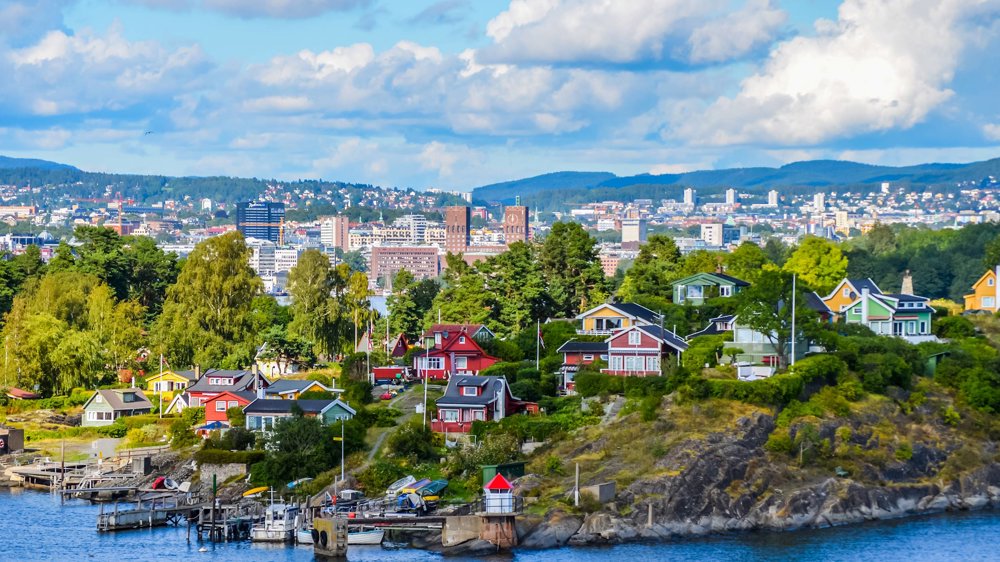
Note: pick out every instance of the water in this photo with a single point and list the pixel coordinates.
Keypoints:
(33, 526)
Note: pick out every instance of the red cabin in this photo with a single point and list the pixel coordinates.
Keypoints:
(640, 351)
(457, 354)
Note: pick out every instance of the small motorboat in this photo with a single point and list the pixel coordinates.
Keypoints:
(394, 488)
(414, 487)
(432, 491)
(280, 524)
(304, 536)
(370, 537)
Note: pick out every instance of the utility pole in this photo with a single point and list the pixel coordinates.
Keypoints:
(793, 320)
(538, 341)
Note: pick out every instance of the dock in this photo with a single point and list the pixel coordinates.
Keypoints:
(158, 513)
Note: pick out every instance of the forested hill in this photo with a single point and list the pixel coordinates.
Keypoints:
(7, 163)
(553, 190)
(67, 182)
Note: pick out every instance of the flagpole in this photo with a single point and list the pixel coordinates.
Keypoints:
(793, 320)
(161, 388)
(538, 340)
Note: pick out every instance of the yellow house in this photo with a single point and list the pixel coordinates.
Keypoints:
(984, 293)
(288, 389)
(847, 293)
(169, 382)
(608, 318)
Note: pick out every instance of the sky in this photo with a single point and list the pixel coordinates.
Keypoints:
(455, 94)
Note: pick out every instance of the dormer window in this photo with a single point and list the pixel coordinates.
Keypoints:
(634, 337)
(461, 339)
(470, 391)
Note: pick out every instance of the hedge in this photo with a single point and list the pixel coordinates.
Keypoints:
(218, 456)
(828, 368)
(776, 390)
(591, 384)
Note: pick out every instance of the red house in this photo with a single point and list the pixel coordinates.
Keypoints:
(458, 353)
(439, 334)
(216, 381)
(641, 350)
(577, 353)
(472, 398)
(216, 406)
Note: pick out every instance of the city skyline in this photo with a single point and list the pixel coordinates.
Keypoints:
(456, 94)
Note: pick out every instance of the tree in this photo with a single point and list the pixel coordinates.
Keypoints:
(572, 269)
(150, 272)
(464, 297)
(516, 280)
(315, 311)
(746, 262)
(765, 307)
(776, 250)
(659, 262)
(701, 261)
(301, 447)
(208, 314)
(117, 326)
(404, 316)
(881, 240)
(819, 263)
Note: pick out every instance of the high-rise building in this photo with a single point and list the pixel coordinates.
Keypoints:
(334, 232)
(515, 224)
(819, 202)
(457, 221)
(263, 220)
(772, 198)
(422, 261)
(731, 196)
(262, 257)
(719, 234)
(285, 259)
(206, 204)
(633, 231)
(690, 196)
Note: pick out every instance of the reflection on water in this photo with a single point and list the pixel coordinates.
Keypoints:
(33, 526)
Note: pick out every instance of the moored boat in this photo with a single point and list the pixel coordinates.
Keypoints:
(280, 523)
(370, 537)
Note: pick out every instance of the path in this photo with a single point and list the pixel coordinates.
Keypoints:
(409, 400)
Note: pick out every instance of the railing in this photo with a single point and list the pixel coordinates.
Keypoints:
(499, 504)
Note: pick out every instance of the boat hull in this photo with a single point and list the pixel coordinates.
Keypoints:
(366, 537)
(272, 535)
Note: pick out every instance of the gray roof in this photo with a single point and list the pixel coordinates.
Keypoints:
(862, 284)
(815, 302)
(242, 381)
(637, 310)
(189, 375)
(114, 398)
(491, 385)
(278, 406)
(573, 346)
(288, 385)
(666, 336)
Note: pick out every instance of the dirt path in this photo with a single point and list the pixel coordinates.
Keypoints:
(405, 402)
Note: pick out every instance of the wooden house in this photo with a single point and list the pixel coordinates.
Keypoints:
(700, 287)
(641, 350)
(473, 398)
(985, 295)
(458, 354)
(106, 406)
(263, 413)
(605, 319)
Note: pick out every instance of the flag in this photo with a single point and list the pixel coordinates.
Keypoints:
(541, 341)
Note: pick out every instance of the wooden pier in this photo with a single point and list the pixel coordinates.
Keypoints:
(225, 523)
(160, 512)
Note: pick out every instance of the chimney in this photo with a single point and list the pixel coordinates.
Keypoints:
(197, 372)
(864, 306)
(907, 288)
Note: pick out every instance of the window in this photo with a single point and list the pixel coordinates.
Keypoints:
(604, 357)
(470, 391)
(233, 404)
(432, 362)
(989, 282)
(99, 399)
(461, 339)
(449, 415)
(653, 363)
(679, 291)
(607, 324)
(616, 363)
(479, 415)
(461, 363)
(726, 291)
(923, 327)
(588, 357)
(846, 292)
(695, 292)
(989, 302)
(911, 327)
(633, 363)
(220, 406)
(634, 337)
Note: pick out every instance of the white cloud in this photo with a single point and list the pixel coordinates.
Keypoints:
(286, 9)
(882, 65)
(737, 33)
(992, 131)
(23, 21)
(64, 73)
(617, 32)
(442, 158)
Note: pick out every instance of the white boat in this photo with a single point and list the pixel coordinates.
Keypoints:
(280, 522)
(393, 490)
(373, 536)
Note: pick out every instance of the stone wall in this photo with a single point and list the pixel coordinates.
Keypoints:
(222, 472)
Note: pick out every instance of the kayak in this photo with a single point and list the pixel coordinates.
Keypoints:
(255, 491)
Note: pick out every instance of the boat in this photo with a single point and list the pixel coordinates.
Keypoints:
(394, 488)
(432, 491)
(255, 491)
(280, 522)
(299, 482)
(369, 537)
(414, 487)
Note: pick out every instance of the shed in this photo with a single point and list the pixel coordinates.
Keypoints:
(11, 440)
(499, 496)
(510, 470)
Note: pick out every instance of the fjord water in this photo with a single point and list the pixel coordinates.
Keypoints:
(33, 526)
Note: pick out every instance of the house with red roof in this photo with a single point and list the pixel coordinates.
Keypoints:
(217, 406)
(438, 334)
(455, 352)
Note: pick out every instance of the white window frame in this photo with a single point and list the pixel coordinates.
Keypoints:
(652, 363)
(220, 405)
(846, 292)
(478, 415)
(725, 290)
(461, 339)
(233, 404)
(466, 389)
(634, 338)
(616, 363)
(634, 363)
(989, 282)
(449, 415)
(989, 302)
(461, 363)
(588, 357)
(432, 363)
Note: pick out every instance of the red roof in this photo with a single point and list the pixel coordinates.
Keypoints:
(453, 329)
(19, 394)
(498, 483)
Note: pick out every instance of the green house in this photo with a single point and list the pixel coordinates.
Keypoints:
(106, 406)
(903, 316)
(700, 287)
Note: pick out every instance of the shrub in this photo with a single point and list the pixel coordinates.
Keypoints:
(952, 327)
(142, 436)
(219, 456)
(649, 408)
(703, 350)
(526, 389)
(378, 417)
(780, 441)
(827, 368)
(377, 476)
(904, 451)
(413, 441)
(554, 466)
(181, 433)
(950, 416)
(116, 430)
(503, 369)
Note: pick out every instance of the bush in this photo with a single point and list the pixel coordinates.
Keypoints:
(378, 475)
(116, 430)
(826, 368)
(952, 327)
(412, 441)
(378, 417)
(143, 436)
(181, 433)
(950, 417)
(526, 390)
(649, 407)
(502, 369)
(219, 456)
(776, 390)
(701, 351)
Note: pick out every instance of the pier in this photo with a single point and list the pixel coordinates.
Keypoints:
(161, 511)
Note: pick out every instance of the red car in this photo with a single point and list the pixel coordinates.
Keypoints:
(387, 396)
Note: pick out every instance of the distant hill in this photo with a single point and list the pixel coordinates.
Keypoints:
(554, 190)
(7, 163)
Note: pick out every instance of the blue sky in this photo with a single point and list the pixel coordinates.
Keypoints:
(460, 93)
